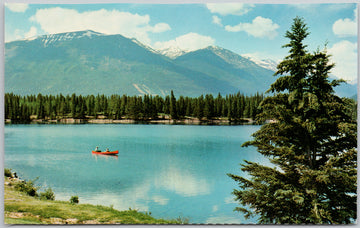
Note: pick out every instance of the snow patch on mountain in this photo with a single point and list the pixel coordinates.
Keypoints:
(144, 46)
(229, 56)
(53, 38)
(172, 52)
(265, 63)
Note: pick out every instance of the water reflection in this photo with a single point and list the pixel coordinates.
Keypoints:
(139, 197)
(161, 200)
(182, 182)
(104, 157)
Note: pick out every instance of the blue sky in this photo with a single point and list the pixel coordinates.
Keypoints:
(254, 30)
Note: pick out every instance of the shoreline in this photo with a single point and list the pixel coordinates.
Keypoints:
(192, 121)
(20, 208)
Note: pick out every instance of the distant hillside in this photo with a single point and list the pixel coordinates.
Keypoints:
(87, 62)
(346, 90)
(224, 65)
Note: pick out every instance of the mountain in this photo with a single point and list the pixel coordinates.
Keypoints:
(172, 52)
(346, 90)
(224, 65)
(87, 62)
(266, 63)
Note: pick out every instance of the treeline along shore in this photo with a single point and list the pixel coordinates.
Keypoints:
(232, 108)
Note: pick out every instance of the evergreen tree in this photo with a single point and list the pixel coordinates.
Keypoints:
(98, 107)
(209, 106)
(50, 108)
(91, 105)
(7, 105)
(134, 108)
(312, 145)
(25, 114)
(218, 105)
(123, 105)
(188, 104)
(153, 110)
(230, 113)
(74, 104)
(167, 105)
(173, 109)
(181, 106)
(199, 107)
(40, 108)
(82, 108)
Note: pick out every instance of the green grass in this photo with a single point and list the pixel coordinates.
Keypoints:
(21, 208)
(28, 220)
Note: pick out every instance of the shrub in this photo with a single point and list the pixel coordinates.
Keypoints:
(8, 173)
(48, 194)
(74, 199)
(27, 186)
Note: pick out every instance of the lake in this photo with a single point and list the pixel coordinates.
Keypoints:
(171, 171)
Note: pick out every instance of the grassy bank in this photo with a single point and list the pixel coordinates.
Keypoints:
(20, 208)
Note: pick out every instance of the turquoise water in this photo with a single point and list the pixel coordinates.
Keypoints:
(169, 170)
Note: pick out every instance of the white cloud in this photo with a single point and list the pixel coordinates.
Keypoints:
(16, 35)
(19, 34)
(57, 20)
(230, 199)
(187, 42)
(346, 27)
(230, 8)
(160, 27)
(344, 55)
(31, 33)
(17, 7)
(260, 27)
(216, 20)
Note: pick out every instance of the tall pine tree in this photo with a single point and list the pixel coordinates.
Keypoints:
(312, 145)
(173, 109)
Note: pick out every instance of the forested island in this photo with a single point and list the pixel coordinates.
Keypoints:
(234, 108)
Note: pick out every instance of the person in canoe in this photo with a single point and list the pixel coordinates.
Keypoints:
(107, 150)
(97, 149)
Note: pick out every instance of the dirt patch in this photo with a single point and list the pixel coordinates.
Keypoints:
(17, 214)
(91, 222)
(57, 221)
(71, 221)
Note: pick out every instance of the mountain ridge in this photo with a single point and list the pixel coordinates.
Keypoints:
(88, 62)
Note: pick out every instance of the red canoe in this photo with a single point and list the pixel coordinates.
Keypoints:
(106, 152)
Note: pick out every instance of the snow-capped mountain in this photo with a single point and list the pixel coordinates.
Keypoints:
(144, 46)
(266, 63)
(53, 38)
(172, 52)
(87, 62)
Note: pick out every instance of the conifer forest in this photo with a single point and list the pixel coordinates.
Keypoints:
(234, 107)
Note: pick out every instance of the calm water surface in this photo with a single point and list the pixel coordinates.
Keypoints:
(170, 170)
